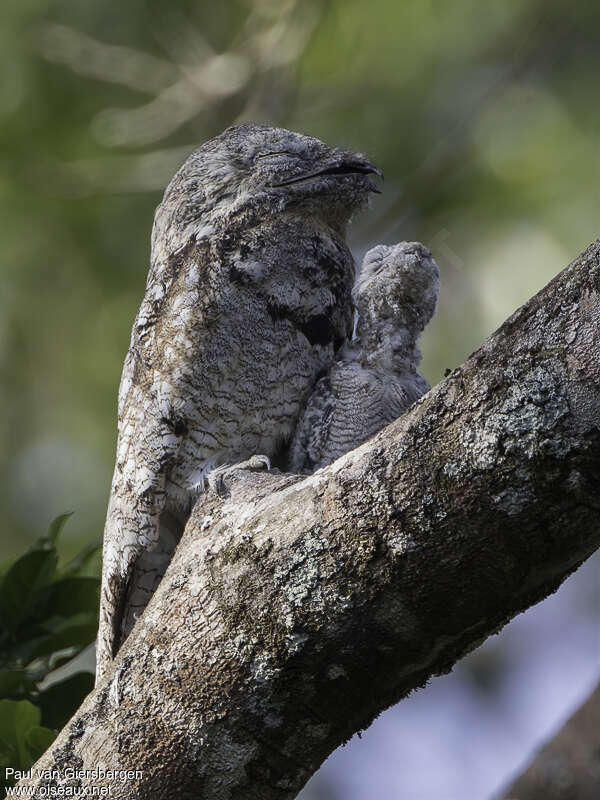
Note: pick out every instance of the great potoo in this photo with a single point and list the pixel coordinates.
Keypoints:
(247, 300)
(375, 378)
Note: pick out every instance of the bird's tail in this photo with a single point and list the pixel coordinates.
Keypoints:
(119, 554)
(132, 569)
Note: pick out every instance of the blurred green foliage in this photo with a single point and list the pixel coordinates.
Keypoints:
(483, 117)
(48, 615)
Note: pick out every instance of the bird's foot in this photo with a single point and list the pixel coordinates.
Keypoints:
(216, 478)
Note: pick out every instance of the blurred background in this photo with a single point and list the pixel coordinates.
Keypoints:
(485, 120)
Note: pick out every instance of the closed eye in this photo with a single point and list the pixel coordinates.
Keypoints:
(276, 153)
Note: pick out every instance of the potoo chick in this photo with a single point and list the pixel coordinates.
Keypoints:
(375, 378)
(248, 298)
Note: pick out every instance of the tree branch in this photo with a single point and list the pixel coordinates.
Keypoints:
(569, 764)
(296, 610)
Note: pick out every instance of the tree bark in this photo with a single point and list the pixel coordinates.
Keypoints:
(568, 766)
(298, 609)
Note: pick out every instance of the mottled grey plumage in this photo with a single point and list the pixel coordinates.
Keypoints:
(248, 297)
(375, 378)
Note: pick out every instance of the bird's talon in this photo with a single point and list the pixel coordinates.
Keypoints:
(256, 463)
(216, 478)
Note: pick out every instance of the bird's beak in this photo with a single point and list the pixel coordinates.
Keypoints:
(346, 165)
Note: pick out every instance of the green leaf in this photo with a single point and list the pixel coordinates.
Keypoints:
(56, 526)
(15, 682)
(47, 616)
(17, 718)
(20, 585)
(73, 594)
(78, 562)
(37, 740)
(50, 635)
(76, 631)
(59, 702)
(22, 652)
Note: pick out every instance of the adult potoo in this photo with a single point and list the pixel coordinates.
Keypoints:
(248, 297)
(375, 378)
